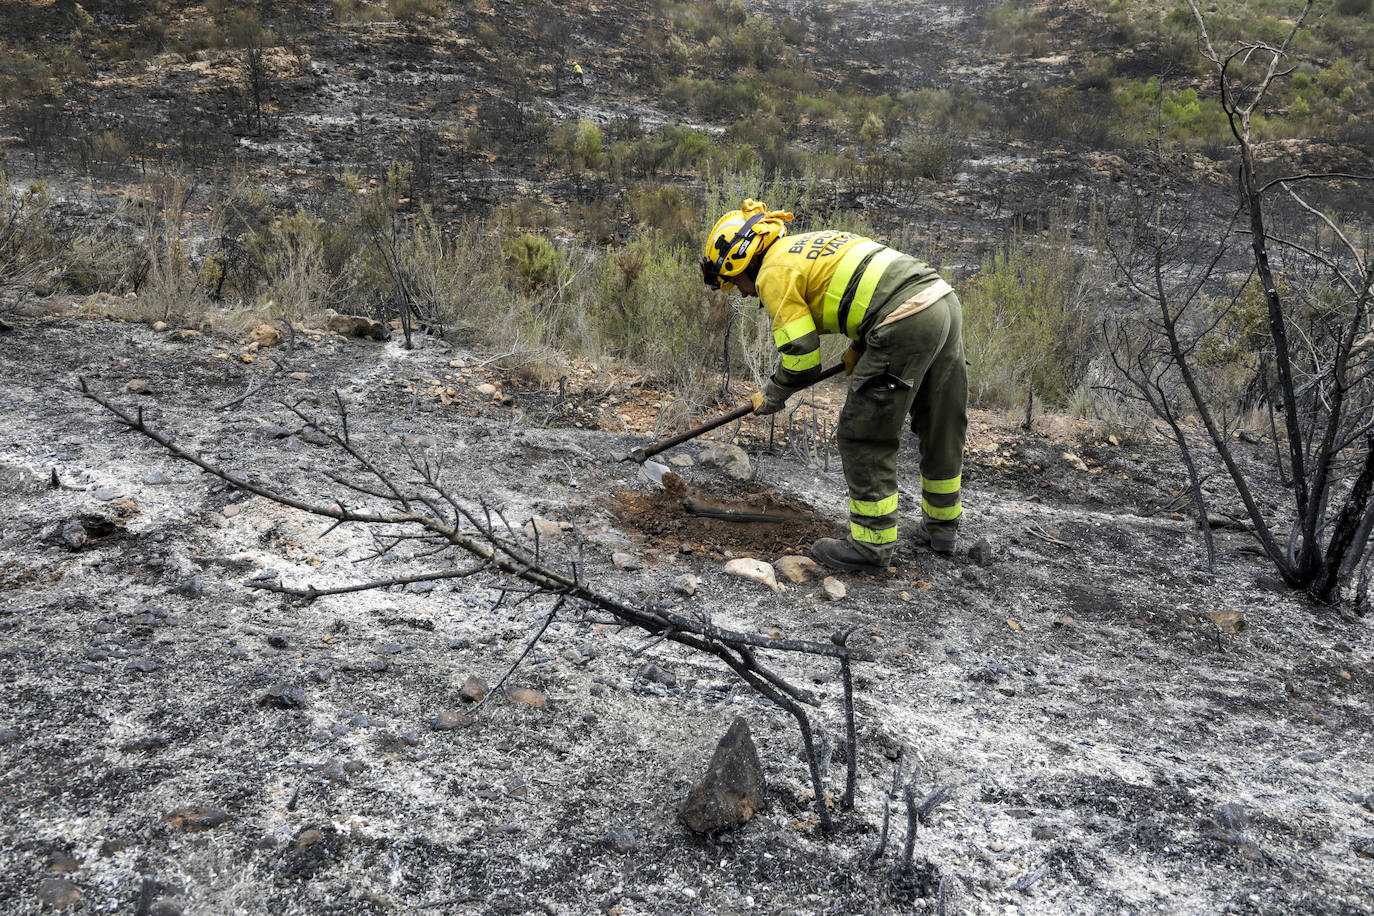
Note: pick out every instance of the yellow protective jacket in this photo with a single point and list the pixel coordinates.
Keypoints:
(830, 282)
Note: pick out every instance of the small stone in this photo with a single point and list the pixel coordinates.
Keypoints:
(58, 893)
(106, 494)
(681, 461)
(754, 570)
(144, 665)
(74, 534)
(686, 585)
(527, 696)
(832, 589)
(487, 388)
(1075, 462)
(313, 436)
(1229, 622)
(159, 326)
(165, 907)
(333, 770)
(280, 696)
(156, 478)
(8, 736)
(62, 864)
(981, 552)
(354, 767)
(231, 510)
(626, 561)
(1233, 816)
(620, 841)
(474, 690)
(1311, 757)
(731, 459)
(410, 738)
(798, 569)
(196, 819)
(653, 674)
(148, 743)
(308, 838)
(190, 588)
(139, 386)
(731, 790)
(547, 529)
(265, 335)
(1044, 832)
(449, 719)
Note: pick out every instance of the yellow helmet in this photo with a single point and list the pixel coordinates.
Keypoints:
(737, 239)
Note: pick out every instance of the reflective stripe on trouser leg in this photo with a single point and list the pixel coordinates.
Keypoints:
(940, 499)
(873, 521)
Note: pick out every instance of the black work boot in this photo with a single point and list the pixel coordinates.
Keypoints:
(941, 544)
(837, 554)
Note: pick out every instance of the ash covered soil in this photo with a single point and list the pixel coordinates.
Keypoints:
(173, 740)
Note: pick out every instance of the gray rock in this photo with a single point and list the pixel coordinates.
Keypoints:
(105, 494)
(620, 841)
(314, 436)
(731, 790)
(656, 675)
(410, 738)
(8, 736)
(280, 696)
(156, 478)
(16, 479)
(333, 770)
(626, 561)
(145, 665)
(1233, 816)
(449, 719)
(981, 552)
(73, 534)
(729, 459)
(190, 588)
(685, 585)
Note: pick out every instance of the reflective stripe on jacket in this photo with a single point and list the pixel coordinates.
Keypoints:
(834, 283)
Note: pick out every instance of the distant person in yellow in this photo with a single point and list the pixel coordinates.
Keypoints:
(905, 358)
(579, 76)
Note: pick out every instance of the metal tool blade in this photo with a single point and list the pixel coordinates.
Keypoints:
(653, 472)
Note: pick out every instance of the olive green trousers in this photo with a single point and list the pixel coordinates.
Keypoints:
(913, 368)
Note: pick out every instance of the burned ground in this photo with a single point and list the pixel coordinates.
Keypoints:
(174, 740)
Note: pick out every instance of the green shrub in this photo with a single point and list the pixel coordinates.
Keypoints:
(1029, 314)
(410, 10)
(533, 261)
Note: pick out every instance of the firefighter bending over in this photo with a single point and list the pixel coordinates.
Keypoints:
(905, 358)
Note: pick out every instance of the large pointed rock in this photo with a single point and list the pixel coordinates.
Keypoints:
(731, 791)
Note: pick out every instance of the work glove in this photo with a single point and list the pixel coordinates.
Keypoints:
(851, 359)
(771, 399)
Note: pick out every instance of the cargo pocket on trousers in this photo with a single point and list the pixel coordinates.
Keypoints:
(872, 406)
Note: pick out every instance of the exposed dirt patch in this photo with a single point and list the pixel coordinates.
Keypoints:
(663, 518)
